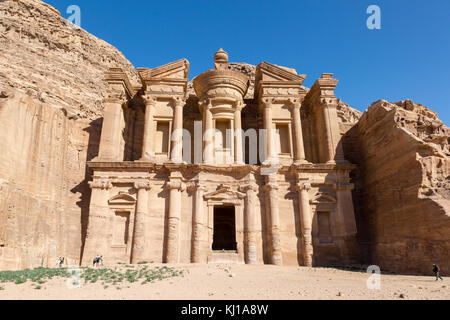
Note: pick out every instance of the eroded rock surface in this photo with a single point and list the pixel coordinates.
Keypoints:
(51, 62)
(50, 120)
(51, 93)
(402, 186)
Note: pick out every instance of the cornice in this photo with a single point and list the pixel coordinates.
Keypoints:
(118, 76)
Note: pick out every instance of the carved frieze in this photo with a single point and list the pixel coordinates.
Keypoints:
(101, 184)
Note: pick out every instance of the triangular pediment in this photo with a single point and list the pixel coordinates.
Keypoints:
(122, 199)
(323, 198)
(224, 193)
(270, 72)
(174, 70)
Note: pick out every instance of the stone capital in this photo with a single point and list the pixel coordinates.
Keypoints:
(142, 185)
(195, 186)
(176, 185)
(149, 100)
(328, 102)
(271, 186)
(118, 97)
(248, 187)
(304, 186)
(294, 103)
(101, 184)
(239, 105)
(267, 102)
(178, 101)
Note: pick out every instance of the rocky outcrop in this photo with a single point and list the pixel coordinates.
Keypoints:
(50, 121)
(45, 58)
(402, 182)
(42, 182)
(51, 112)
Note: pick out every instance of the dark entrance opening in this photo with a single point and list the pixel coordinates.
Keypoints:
(224, 229)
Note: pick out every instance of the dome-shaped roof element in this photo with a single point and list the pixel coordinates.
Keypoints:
(221, 59)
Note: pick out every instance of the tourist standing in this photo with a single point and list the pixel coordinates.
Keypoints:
(437, 270)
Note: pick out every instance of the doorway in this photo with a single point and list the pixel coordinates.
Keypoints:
(224, 229)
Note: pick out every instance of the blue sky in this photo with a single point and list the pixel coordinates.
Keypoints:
(408, 58)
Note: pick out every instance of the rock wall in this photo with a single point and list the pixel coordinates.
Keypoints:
(402, 195)
(42, 56)
(50, 119)
(50, 122)
(42, 188)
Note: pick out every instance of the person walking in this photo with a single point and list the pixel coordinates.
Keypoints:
(437, 270)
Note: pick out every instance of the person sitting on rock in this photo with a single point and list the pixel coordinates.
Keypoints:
(437, 270)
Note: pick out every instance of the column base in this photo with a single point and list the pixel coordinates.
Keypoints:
(339, 162)
(147, 158)
(303, 161)
(176, 161)
(105, 159)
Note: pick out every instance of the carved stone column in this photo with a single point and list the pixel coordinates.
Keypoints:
(271, 189)
(199, 230)
(268, 125)
(335, 153)
(97, 237)
(176, 187)
(299, 155)
(109, 149)
(208, 134)
(238, 133)
(147, 144)
(177, 136)
(306, 221)
(250, 223)
(346, 220)
(139, 237)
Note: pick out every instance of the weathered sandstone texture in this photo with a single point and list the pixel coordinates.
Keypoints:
(68, 99)
(402, 194)
(50, 122)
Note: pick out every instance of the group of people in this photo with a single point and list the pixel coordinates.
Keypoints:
(98, 261)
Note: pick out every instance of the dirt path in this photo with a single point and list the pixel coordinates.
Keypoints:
(242, 282)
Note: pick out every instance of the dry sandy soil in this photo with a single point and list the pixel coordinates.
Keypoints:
(243, 282)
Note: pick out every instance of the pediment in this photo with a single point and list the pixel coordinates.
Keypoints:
(323, 198)
(174, 70)
(224, 193)
(122, 199)
(270, 72)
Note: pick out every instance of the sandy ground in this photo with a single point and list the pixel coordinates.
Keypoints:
(243, 282)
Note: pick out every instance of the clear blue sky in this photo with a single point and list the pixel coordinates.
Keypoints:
(408, 58)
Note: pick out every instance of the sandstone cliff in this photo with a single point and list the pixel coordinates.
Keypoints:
(402, 195)
(51, 93)
(50, 120)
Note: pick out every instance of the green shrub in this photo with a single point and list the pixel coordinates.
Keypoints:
(105, 276)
